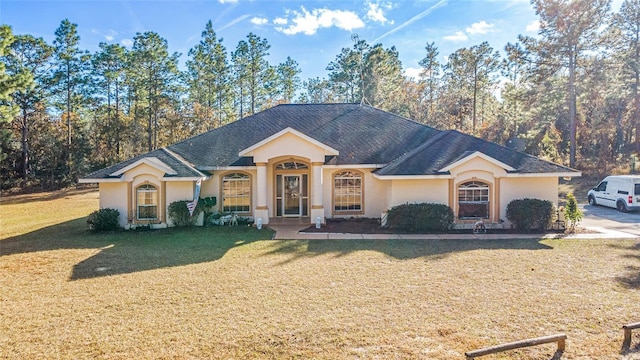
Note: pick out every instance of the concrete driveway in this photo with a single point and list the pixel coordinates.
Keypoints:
(600, 217)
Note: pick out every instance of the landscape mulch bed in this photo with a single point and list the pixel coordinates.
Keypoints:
(372, 226)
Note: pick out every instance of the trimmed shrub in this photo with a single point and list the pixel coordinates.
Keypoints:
(530, 214)
(179, 214)
(423, 217)
(104, 220)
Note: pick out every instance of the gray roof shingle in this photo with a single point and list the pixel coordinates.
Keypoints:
(451, 146)
(361, 134)
(181, 168)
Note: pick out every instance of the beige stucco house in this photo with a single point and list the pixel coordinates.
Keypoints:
(327, 161)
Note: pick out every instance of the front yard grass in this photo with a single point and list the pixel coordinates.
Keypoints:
(231, 293)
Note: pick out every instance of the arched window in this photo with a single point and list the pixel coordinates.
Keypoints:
(291, 165)
(147, 202)
(473, 200)
(236, 193)
(347, 191)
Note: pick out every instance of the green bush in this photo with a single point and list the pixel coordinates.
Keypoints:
(530, 214)
(179, 214)
(572, 213)
(423, 217)
(104, 220)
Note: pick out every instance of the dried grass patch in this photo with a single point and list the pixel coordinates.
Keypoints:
(227, 293)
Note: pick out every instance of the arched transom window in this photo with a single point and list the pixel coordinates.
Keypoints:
(147, 202)
(236, 193)
(473, 200)
(291, 165)
(347, 191)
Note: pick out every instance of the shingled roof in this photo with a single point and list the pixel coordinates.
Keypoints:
(361, 134)
(180, 168)
(450, 146)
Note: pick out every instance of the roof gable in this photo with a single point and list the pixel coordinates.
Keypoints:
(152, 161)
(446, 150)
(282, 142)
(171, 167)
(473, 156)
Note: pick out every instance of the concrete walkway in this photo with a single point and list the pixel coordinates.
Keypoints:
(293, 232)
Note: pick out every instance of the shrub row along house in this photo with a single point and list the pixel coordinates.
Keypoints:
(327, 161)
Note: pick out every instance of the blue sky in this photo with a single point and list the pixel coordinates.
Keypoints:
(311, 32)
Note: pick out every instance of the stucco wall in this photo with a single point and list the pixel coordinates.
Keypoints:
(544, 188)
(287, 144)
(419, 191)
(114, 196)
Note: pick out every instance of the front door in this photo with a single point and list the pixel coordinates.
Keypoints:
(292, 195)
(292, 198)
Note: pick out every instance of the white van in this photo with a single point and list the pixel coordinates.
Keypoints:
(618, 191)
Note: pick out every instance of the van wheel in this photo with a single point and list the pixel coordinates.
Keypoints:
(621, 206)
(592, 201)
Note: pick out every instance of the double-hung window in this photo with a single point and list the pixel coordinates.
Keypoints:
(147, 202)
(347, 192)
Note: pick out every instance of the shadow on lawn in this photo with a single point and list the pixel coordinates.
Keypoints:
(66, 235)
(124, 252)
(402, 249)
(632, 279)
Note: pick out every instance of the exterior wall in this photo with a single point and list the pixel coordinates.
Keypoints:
(114, 196)
(145, 170)
(478, 165)
(543, 188)
(419, 191)
(284, 145)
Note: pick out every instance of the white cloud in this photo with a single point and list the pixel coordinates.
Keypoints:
(458, 36)
(227, 1)
(417, 17)
(234, 21)
(126, 42)
(376, 13)
(481, 27)
(533, 26)
(259, 21)
(109, 36)
(280, 21)
(308, 22)
(412, 72)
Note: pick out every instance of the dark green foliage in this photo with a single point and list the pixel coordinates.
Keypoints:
(179, 214)
(530, 214)
(572, 213)
(423, 217)
(104, 220)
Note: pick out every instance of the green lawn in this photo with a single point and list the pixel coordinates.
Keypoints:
(231, 293)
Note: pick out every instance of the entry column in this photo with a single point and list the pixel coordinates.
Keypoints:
(317, 209)
(262, 210)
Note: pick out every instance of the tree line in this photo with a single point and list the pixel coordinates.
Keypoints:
(569, 95)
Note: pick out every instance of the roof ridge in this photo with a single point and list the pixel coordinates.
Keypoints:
(182, 160)
(429, 142)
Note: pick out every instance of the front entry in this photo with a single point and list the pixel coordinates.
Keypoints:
(292, 195)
